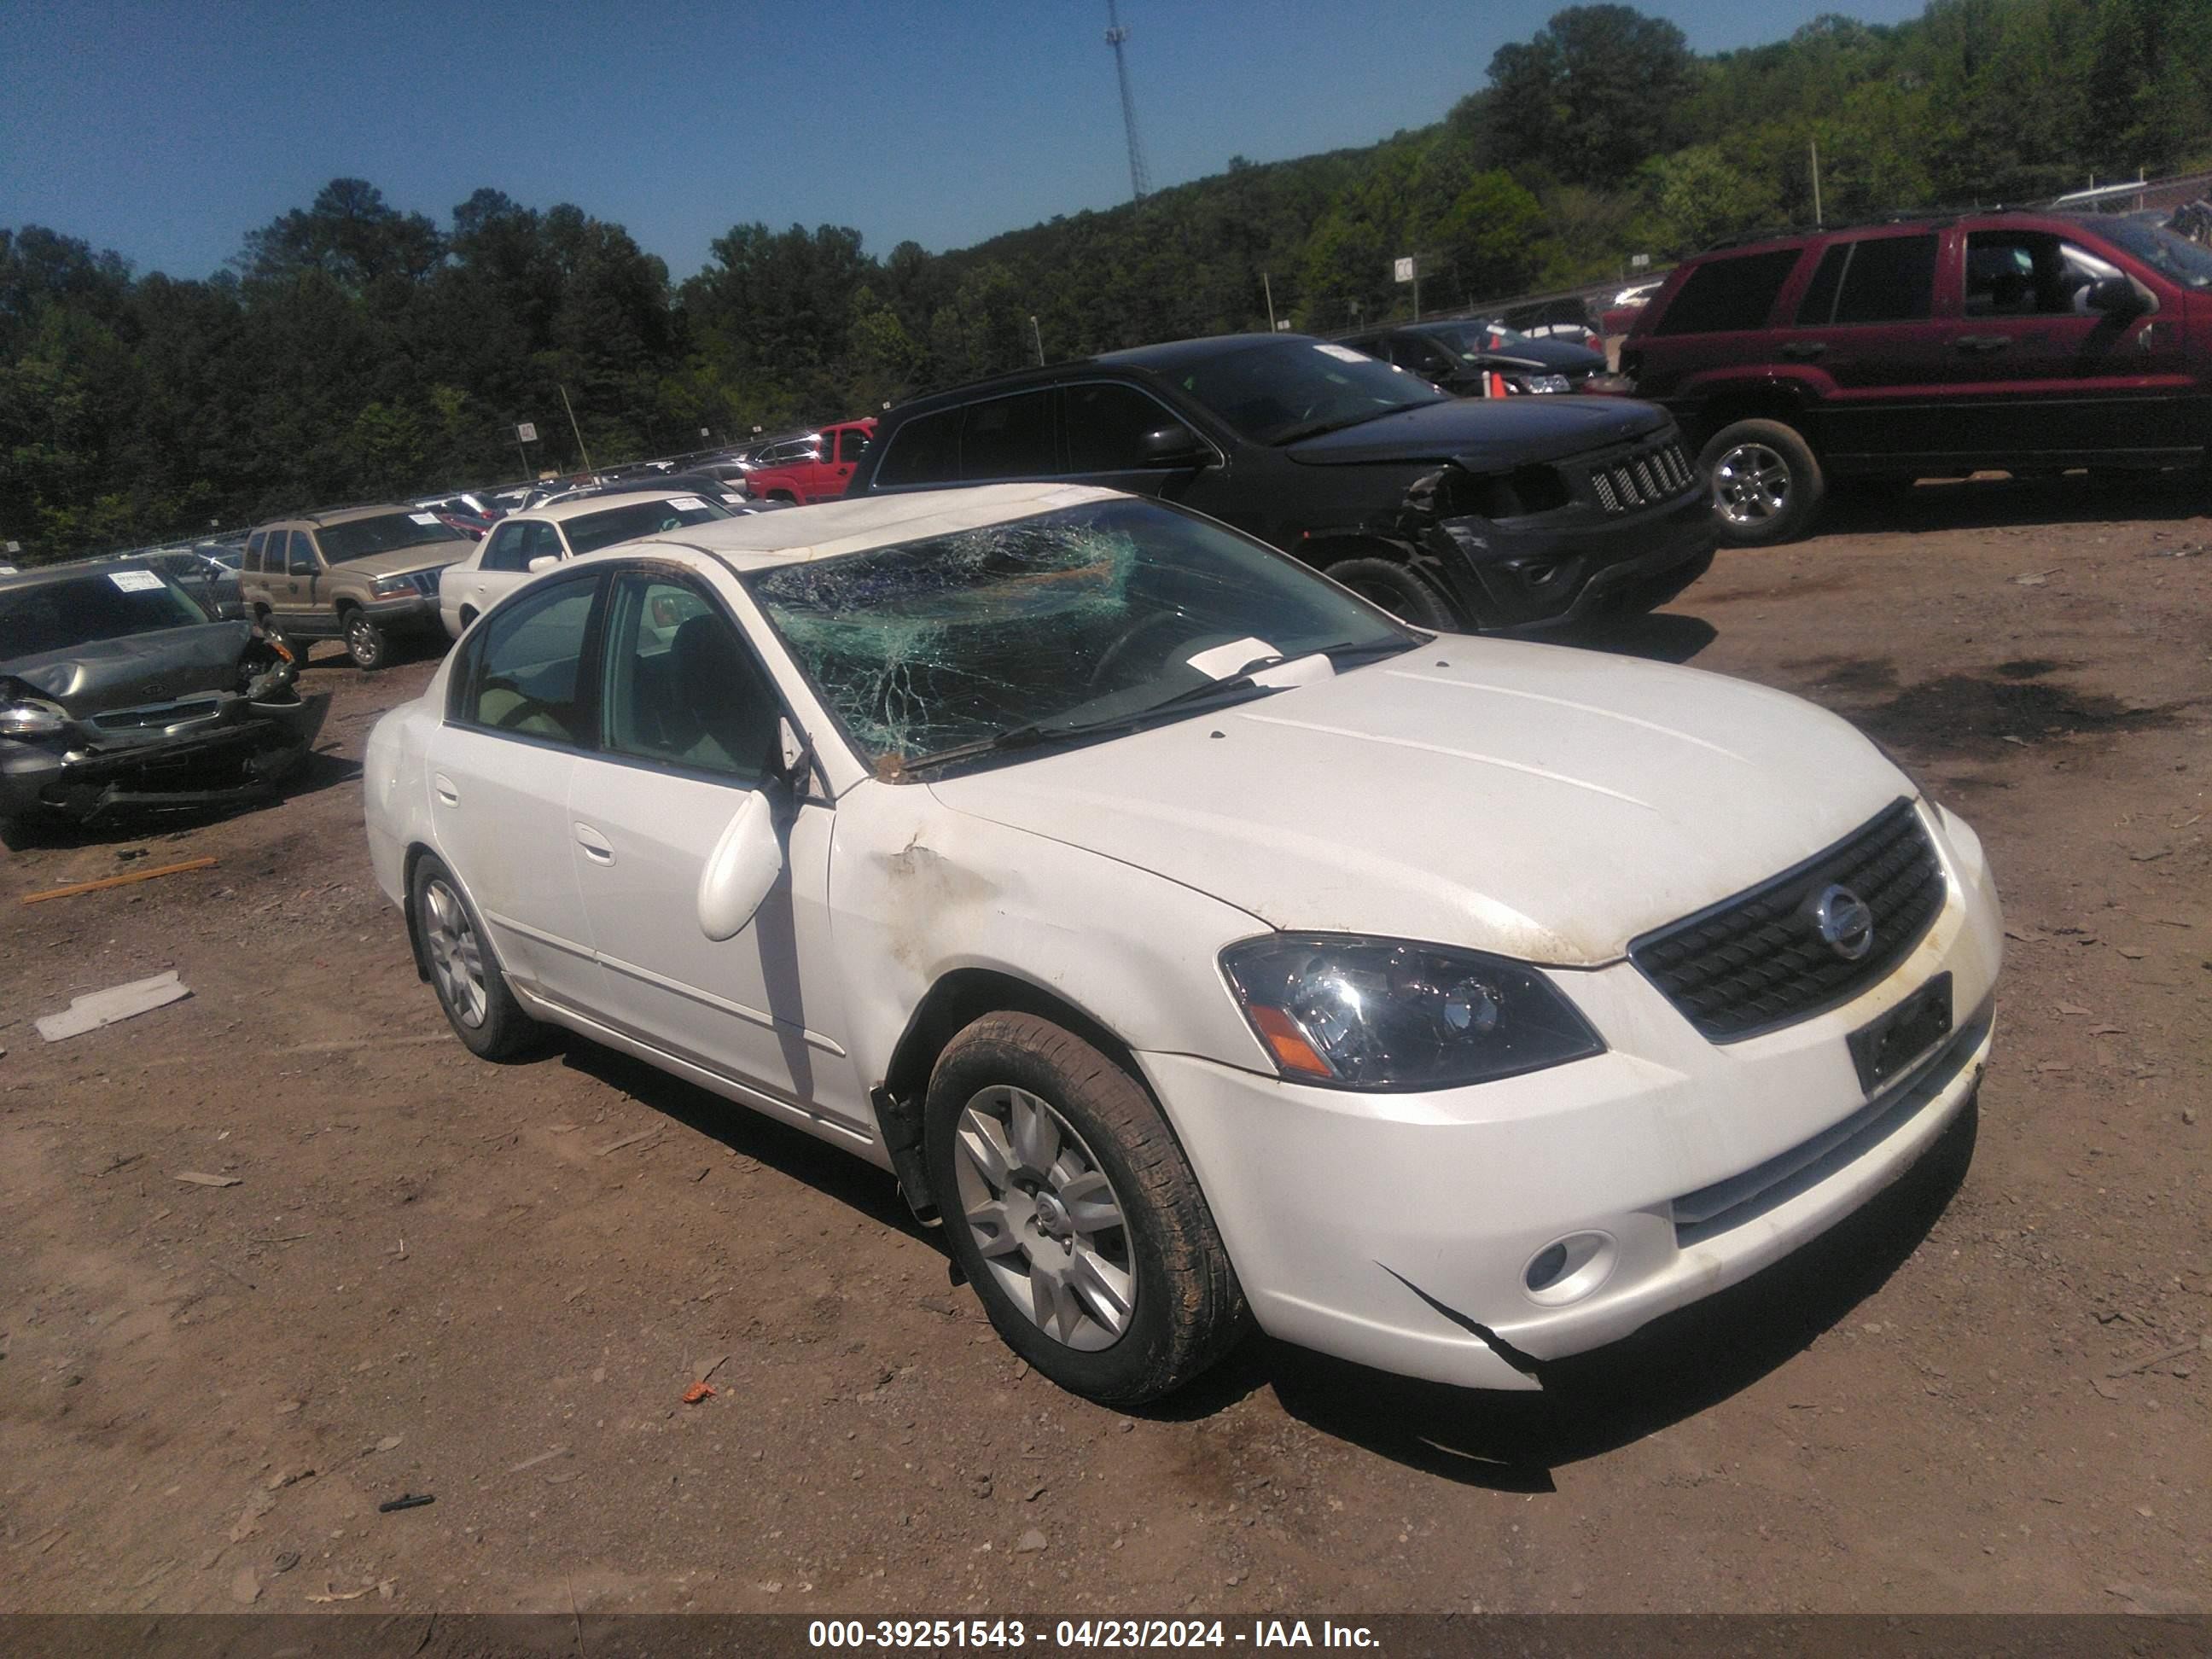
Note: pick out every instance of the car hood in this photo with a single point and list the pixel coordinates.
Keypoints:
(1484, 434)
(1543, 802)
(140, 668)
(1562, 357)
(404, 561)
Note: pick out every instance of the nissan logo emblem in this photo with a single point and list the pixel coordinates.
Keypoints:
(1845, 923)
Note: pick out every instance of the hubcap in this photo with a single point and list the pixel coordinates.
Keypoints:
(360, 639)
(1045, 1217)
(456, 960)
(1750, 484)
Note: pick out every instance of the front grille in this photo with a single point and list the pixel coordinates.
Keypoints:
(1757, 961)
(426, 581)
(1657, 472)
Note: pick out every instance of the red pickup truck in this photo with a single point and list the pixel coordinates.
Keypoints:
(813, 469)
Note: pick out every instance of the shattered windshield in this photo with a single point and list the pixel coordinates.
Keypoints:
(78, 611)
(1081, 618)
(1287, 390)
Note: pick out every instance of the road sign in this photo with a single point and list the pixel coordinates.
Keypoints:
(526, 433)
(1402, 270)
(1639, 261)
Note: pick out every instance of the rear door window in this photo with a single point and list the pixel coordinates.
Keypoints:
(527, 671)
(1730, 294)
(1008, 438)
(924, 451)
(1889, 279)
(252, 560)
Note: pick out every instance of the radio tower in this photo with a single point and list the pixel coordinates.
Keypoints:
(1140, 182)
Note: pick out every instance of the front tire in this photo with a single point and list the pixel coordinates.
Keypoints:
(1071, 1208)
(365, 642)
(294, 646)
(1767, 485)
(1398, 588)
(472, 988)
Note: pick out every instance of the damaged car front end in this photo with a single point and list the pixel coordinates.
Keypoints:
(117, 693)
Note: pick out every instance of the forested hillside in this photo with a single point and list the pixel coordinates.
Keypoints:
(357, 350)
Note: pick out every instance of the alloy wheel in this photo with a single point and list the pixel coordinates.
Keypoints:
(1751, 483)
(456, 958)
(1045, 1217)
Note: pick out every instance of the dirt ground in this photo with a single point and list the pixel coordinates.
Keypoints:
(493, 1284)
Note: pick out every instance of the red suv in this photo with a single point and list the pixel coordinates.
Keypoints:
(2026, 342)
(815, 468)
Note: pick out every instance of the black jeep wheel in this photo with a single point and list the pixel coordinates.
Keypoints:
(1400, 589)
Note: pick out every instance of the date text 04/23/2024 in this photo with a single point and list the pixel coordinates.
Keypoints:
(981, 1634)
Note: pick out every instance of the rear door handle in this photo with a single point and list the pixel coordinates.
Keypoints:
(1979, 342)
(447, 795)
(1802, 350)
(596, 846)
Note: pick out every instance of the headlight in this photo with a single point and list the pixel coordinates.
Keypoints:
(392, 586)
(1389, 1014)
(32, 717)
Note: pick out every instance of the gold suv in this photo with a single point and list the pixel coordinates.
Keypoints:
(356, 574)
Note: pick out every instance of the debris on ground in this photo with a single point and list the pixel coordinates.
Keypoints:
(542, 1457)
(1030, 1542)
(118, 1002)
(329, 1595)
(198, 1180)
(124, 880)
(698, 1392)
(406, 1500)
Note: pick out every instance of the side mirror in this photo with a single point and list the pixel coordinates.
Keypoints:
(2115, 296)
(543, 562)
(741, 870)
(1174, 445)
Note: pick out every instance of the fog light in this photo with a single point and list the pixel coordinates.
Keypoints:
(1569, 1269)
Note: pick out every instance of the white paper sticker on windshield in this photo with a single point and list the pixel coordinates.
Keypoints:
(135, 581)
(1220, 661)
(1344, 354)
(687, 503)
(423, 518)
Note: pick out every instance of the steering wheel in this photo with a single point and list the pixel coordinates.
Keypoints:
(528, 707)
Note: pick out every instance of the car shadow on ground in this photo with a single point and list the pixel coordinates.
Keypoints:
(789, 1151)
(1595, 1403)
(1996, 502)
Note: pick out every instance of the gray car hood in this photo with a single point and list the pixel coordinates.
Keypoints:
(140, 668)
(1484, 434)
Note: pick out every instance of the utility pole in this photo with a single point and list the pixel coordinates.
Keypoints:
(1038, 335)
(1268, 287)
(1818, 223)
(573, 428)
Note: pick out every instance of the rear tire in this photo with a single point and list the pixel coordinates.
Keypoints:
(471, 987)
(1400, 589)
(1071, 1208)
(1767, 485)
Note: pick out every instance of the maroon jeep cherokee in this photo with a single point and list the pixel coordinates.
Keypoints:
(2024, 341)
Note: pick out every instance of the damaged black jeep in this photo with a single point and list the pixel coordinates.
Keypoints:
(1454, 513)
(118, 692)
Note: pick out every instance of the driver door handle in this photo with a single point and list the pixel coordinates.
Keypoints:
(1981, 343)
(1803, 350)
(596, 846)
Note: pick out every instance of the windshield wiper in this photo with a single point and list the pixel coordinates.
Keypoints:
(1314, 429)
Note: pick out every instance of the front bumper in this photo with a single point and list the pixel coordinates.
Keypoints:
(221, 747)
(1397, 1229)
(1533, 573)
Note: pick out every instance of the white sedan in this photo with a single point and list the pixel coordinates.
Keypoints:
(1202, 944)
(537, 540)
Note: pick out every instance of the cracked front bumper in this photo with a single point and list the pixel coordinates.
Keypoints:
(1398, 1231)
(231, 751)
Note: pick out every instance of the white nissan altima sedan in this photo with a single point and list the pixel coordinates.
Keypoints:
(1202, 944)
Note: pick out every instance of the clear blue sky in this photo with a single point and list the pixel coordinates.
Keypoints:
(167, 130)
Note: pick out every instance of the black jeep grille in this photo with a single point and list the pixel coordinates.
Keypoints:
(1656, 473)
(1757, 961)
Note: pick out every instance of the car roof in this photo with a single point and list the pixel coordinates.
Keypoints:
(762, 540)
(327, 515)
(1162, 358)
(561, 512)
(37, 574)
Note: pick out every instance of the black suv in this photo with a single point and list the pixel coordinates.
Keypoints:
(1931, 347)
(1451, 512)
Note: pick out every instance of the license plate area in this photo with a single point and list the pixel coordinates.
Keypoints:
(1888, 1047)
